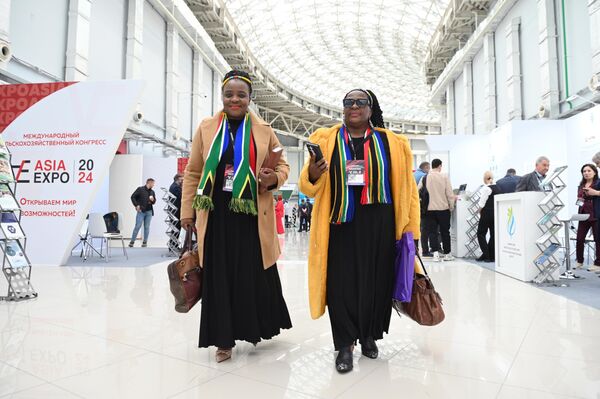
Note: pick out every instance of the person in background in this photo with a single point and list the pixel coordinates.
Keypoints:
(486, 220)
(279, 213)
(175, 189)
(355, 226)
(303, 213)
(424, 168)
(437, 217)
(589, 173)
(532, 181)
(508, 184)
(309, 209)
(143, 199)
(227, 200)
(287, 209)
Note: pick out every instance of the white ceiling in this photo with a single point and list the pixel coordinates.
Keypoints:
(324, 48)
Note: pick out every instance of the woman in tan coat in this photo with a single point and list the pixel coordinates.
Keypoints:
(226, 192)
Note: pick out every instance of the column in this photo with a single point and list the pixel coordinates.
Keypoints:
(5, 50)
(468, 96)
(489, 79)
(172, 95)
(513, 61)
(594, 11)
(451, 128)
(135, 38)
(548, 57)
(196, 90)
(78, 40)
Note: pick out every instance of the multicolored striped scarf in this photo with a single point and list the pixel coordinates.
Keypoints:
(377, 179)
(244, 166)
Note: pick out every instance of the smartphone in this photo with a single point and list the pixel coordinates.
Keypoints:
(315, 150)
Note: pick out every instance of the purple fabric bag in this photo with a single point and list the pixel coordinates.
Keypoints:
(404, 268)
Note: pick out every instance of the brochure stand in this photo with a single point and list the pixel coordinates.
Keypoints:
(472, 244)
(171, 221)
(568, 274)
(15, 264)
(549, 225)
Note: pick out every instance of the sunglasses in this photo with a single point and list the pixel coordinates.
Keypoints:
(360, 102)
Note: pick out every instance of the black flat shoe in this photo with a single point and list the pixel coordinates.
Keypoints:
(369, 348)
(481, 259)
(343, 362)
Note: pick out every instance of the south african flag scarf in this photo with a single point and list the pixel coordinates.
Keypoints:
(377, 175)
(244, 166)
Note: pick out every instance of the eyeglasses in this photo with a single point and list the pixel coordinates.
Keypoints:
(360, 102)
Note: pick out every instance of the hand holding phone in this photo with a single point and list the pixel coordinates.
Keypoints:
(318, 165)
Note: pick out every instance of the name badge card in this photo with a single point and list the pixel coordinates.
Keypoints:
(580, 202)
(355, 172)
(228, 180)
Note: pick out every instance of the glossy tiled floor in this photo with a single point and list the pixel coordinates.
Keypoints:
(100, 332)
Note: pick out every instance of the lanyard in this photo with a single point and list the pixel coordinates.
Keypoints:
(351, 143)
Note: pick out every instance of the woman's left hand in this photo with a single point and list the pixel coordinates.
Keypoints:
(266, 179)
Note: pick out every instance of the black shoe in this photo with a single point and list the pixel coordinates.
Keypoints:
(427, 255)
(482, 259)
(489, 260)
(131, 244)
(144, 244)
(369, 348)
(343, 362)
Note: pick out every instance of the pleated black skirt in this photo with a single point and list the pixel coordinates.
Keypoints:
(241, 301)
(360, 273)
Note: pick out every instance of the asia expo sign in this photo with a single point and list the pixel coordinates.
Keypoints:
(62, 138)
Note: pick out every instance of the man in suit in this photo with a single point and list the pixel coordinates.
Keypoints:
(508, 184)
(532, 181)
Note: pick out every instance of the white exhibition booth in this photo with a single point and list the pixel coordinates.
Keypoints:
(517, 144)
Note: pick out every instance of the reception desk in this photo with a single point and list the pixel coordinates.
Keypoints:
(515, 217)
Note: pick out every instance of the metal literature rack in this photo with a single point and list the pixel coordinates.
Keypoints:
(171, 221)
(472, 244)
(549, 225)
(15, 264)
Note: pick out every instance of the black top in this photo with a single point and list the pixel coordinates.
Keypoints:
(175, 189)
(141, 198)
(488, 208)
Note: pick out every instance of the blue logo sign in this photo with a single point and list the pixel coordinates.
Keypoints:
(512, 224)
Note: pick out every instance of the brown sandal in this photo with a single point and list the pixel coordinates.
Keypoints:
(223, 354)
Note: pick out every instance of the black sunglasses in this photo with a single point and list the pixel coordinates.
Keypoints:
(360, 102)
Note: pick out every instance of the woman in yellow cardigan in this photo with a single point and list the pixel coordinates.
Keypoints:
(226, 199)
(365, 200)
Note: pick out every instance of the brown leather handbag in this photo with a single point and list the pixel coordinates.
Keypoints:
(185, 277)
(425, 306)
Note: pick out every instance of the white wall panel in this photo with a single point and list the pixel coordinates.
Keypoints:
(206, 92)
(479, 122)
(125, 176)
(162, 171)
(530, 58)
(579, 52)
(38, 32)
(107, 40)
(154, 65)
(459, 104)
(184, 91)
(502, 71)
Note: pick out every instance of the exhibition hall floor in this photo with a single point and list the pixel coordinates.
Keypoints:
(97, 332)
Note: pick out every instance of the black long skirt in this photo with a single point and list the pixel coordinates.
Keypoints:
(360, 274)
(240, 299)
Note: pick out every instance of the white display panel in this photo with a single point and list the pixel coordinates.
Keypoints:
(154, 66)
(184, 89)
(107, 40)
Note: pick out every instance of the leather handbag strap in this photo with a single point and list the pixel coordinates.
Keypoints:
(187, 246)
(422, 264)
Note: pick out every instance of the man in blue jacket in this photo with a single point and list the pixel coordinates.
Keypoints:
(422, 171)
(508, 184)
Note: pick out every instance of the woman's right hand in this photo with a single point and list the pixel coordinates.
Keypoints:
(316, 169)
(188, 224)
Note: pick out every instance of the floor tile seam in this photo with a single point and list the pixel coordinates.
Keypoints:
(25, 389)
(198, 385)
(519, 348)
(377, 367)
(46, 381)
(232, 372)
(93, 369)
(543, 391)
(65, 389)
(201, 364)
(480, 346)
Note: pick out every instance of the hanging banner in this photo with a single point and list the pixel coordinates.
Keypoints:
(63, 138)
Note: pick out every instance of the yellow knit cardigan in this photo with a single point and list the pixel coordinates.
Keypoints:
(405, 199)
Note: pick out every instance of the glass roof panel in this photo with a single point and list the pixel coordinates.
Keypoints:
(323, 48)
